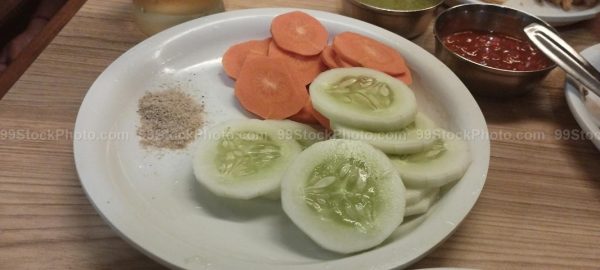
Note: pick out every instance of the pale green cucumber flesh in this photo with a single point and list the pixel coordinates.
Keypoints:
(363, 98)
(245, 153)
(243, 159)
(363, 93)
(343, 190)
(345, 195)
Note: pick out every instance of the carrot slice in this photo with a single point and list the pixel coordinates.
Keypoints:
(328, 57)
(363, 51)
(406, 77)
(265, 87)
(305, 115)
(323, 121)
(299, 33)
(342, 63)
(304, 68)
(234, 57)
(332, 60)
(252, 55)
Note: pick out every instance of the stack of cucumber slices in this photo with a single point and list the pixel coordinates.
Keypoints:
(370, 106)
(386, 161)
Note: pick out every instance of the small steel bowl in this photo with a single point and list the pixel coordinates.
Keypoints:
(407, 23)
(481, 79)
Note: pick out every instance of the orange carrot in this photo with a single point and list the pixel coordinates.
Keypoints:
(342, 63)
(304, 68)
(299, 33)
(305, 115)
(332, 60)
(234, 58)
(406, 77)
(267, 88)
(328, 57)
(252, 55)
(360, 50)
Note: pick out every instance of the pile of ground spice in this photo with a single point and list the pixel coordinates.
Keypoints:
(168, 119)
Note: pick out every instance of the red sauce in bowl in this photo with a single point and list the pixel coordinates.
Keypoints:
(497, 50)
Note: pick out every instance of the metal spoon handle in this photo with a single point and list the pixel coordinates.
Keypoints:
(565, 56)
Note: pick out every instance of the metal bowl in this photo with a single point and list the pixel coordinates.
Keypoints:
(480, 79)
(407, 23)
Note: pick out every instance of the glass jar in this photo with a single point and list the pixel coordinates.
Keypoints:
(153, 16)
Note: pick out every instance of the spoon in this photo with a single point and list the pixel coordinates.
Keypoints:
(579, 70)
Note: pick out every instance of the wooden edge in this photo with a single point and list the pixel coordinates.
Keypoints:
(16, 68)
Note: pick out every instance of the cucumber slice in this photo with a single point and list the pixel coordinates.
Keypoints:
(409, 224)
(363, 98)
(304, 134)
(423, 205)
(343, 194)
(273, 195)
(445, 162)
(413, 196)
(414, 138)
(243, 159)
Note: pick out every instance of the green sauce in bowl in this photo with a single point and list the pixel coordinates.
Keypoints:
(401, 4)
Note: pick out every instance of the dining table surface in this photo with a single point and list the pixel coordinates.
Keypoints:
(539, 209)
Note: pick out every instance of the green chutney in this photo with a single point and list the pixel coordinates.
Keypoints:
(401, 4)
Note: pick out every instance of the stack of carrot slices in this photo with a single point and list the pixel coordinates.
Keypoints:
(272, 74)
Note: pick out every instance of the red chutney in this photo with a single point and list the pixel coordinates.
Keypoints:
(497, 50)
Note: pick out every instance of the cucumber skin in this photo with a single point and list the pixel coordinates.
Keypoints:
(399, 115)
(428, 175)
(423, 205)
(389, 146)
(304, 134)
(329, 235)
(413, 196)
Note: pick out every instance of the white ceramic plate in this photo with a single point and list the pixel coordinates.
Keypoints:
(586, 110)
(548, 12)
(152, 199)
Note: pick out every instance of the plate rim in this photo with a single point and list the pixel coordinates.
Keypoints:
(567, 19)
(576, 106)
(79, 145)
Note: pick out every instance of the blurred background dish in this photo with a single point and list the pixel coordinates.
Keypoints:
(547, 11)
(153, 16)
(566, 5)
(408, 18)
(468, 38)
(586, 109)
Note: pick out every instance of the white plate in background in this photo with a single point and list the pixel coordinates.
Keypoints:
(152, 199)
(586, 110)
(547, 11)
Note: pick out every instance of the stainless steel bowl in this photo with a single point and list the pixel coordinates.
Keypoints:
(407, 23)
(480, 79)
